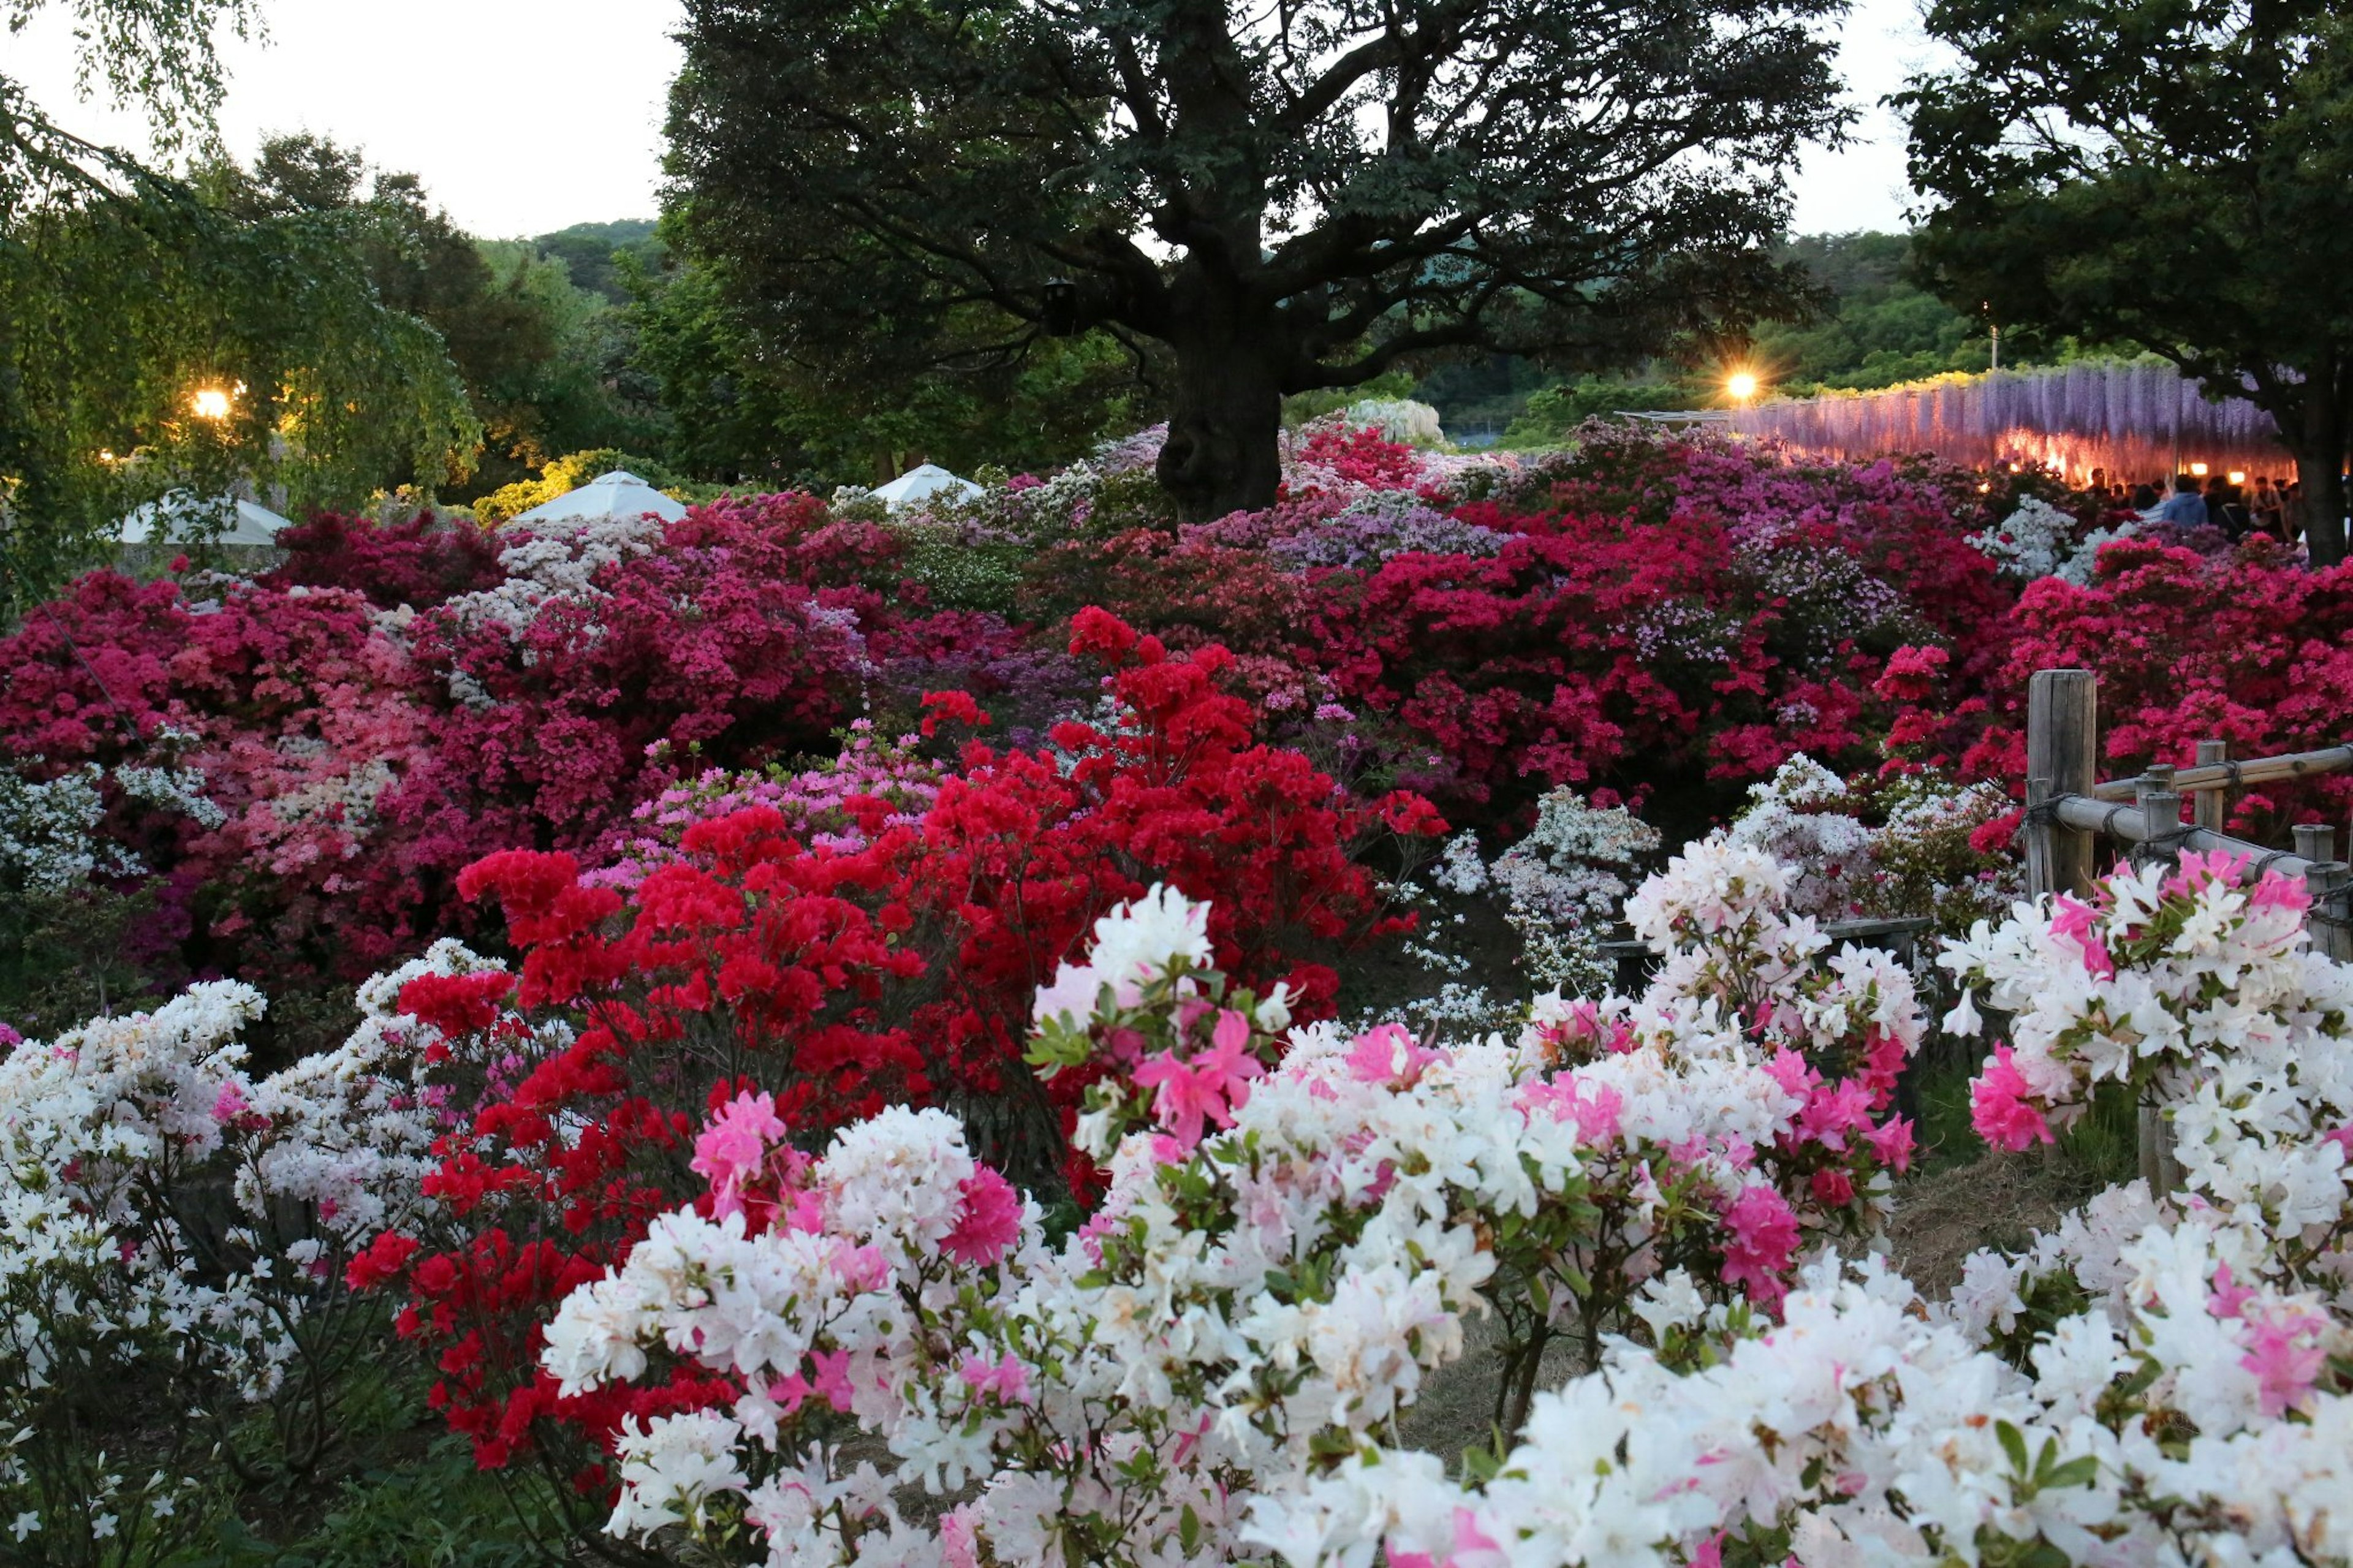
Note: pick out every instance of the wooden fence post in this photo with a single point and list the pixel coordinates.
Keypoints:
(2061, 741)
(2328, 881)
(2160, 804)
(2211, 807)
(2158, 1167)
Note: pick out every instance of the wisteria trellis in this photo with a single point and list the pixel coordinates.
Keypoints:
(2136, 420)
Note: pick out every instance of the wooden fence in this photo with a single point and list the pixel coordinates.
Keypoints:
(2067, 810)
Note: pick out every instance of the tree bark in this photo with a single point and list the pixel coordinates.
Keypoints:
(1225, 429)
(2319, 447)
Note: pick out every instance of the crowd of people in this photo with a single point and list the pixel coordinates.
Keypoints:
(2228, 503)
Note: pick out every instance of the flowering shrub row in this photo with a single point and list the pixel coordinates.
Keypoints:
(1212, 1368)
(2246, 647)
(726, 1308)
(401, 698)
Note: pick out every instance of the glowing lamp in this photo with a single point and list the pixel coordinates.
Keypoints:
(2198, 469)
(2238, 476)
(1742, 385)
(209, 402)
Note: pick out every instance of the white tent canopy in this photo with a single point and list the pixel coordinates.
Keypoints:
(921, 484)
(184, 520)
(617, 494)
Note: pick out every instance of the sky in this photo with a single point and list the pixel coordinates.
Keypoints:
(523, 116)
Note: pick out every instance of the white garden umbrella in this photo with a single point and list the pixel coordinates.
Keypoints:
(617, 494)
(181, 519)
(924, 483)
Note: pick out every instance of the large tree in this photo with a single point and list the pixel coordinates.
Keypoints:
(125, 290)
(531, 347)
(744, 413)
(2176, 175)
(1275, 195)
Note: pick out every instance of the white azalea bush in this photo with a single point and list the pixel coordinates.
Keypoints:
(2158, 1381)
(173, 1236)
(1294, 1233)
(1214, 1367)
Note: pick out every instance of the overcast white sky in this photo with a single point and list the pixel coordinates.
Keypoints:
(523, 116)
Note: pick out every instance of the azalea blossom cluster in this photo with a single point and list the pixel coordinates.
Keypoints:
(1912, 845)
(1864, 1428)
(2155, 1380)
(2189, 989)
(50, 840)
(1296, 1225)
(116, 1269)
(825, 805)
(1559, 887)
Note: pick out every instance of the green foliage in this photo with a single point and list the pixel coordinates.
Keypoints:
(403, 1491)
(66, 955)
(592, 254)
(1556, 411)
(2170, 174)
(1302, 406)
(542, 360)
(743, 411)
(1477, 398)
(893, 188)
(960, 575)
(158, 55)
(124, 292)
(1881, 328)
(561, 476)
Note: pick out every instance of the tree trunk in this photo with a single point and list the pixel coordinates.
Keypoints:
(1224, 451)
(2319, 447)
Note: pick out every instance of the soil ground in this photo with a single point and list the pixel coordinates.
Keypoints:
(1941, 1217)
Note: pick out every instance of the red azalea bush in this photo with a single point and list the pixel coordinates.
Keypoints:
(902, 971)
(1722, 639)
(2251, 648)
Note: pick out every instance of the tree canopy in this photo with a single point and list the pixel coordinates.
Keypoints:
(1268, 198)
(126, 290)
(2173, 174)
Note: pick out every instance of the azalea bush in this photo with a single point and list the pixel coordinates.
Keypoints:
(2245, 646)
(1213, 1367)
(1292, 1236)
(402, 696)
(758, 1318)
(174, 1254)
(853, 956)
